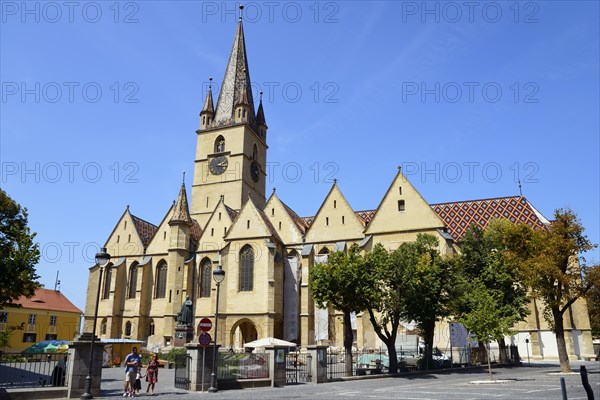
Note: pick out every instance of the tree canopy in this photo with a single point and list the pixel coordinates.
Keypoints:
(339, 283)
(556, 272)
(18, 253)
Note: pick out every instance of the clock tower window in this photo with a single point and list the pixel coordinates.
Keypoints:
(220, 144)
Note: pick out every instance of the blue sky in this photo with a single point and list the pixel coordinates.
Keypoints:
(100, 105)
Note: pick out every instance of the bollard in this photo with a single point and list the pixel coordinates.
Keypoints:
(586, 383)
(563, 388)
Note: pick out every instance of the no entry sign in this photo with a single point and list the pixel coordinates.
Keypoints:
(205, 324)
(204, 339)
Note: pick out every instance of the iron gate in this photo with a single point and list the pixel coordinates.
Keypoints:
(182, 371)
(297, 368)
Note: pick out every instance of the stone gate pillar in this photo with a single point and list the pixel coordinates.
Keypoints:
(78, 366)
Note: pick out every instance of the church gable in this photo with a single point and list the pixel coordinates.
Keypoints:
(335, 220)
(289, 226)
(160, 241)
(216, 228)
(250, 223)
(403, 209)
(125, 239)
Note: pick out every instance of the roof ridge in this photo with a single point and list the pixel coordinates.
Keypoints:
(473, 200)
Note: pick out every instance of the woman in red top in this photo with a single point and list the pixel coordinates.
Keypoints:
(152, 374)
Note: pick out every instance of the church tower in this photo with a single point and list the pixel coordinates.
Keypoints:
(231, 150)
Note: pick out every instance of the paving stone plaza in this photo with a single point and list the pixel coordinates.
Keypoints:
(539, 381)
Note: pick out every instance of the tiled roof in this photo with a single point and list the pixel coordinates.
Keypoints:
(145, 229)
(300, 222)
(196, 230)
(308, 220)
(366, 216)
(232, 213)
(46, 299)
(459, 215)
(181, 212)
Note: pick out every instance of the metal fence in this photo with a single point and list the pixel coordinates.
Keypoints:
(363, 363)
(35, 370)
(298, 368)
(182, 371)
(236, 366)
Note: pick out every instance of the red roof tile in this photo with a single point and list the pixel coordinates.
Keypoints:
(46, 299)
(459, 215)
(366, 216)
(145, 229)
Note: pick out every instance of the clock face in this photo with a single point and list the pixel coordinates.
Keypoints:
(255, 171)
(218, 165)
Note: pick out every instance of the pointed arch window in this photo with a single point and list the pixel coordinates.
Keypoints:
(220, 144)
(205, 278)
(103, 326)
(128, 328)
(151, 327)
(107, 279)
(132, 282)
(246, 269)
(255, 152)
(161, 280)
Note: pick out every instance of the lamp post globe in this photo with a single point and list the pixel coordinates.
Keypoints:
(102, 258)
(218, 276)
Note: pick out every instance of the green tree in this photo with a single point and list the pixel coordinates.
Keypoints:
(426, 281)
(383, 292)
(18, 253)
(555, 273)
(487, 318)
(495, 259)
(339, 283)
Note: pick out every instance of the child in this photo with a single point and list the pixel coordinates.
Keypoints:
(137, 386)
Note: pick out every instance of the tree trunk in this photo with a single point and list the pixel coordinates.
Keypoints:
(348, 339)
(482, 357)
(392, 355)
(428, 331)
(559, 331)
(487, 347)
(389, 339)
(503, 351)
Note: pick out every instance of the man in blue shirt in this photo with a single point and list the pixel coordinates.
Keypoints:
(133, 361)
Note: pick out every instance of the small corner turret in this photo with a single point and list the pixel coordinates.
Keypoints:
(208, 111)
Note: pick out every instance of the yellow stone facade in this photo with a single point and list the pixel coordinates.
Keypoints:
(264, 247)
(48, 315)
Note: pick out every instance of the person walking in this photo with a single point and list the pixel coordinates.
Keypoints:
(152, 374)
(133, 361)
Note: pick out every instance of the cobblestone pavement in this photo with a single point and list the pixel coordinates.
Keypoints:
(538, 381)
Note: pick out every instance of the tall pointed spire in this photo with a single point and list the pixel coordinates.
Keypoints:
(260, 114)
(208, 103)
(235, 81)
(181, 212)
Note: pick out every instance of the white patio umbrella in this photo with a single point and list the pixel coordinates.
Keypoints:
(269, 341)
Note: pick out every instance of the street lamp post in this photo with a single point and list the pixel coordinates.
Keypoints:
(101, 260)
(218, 276)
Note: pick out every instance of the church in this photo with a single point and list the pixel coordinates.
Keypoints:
(267, 250)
